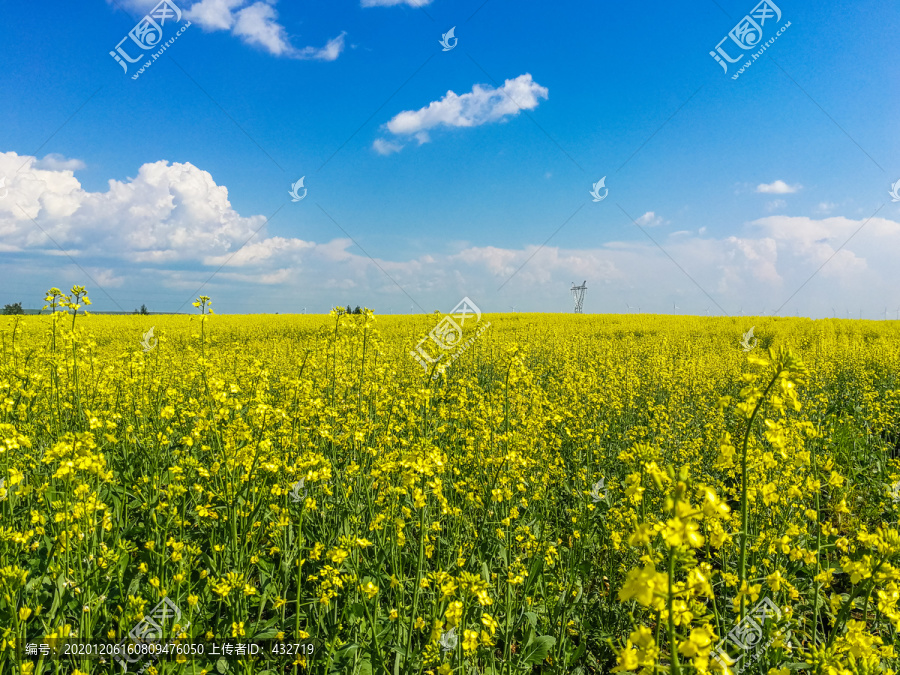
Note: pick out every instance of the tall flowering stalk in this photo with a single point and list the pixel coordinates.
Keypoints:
(788, 372)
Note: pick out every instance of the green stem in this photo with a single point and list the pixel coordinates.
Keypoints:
(818, 585)
(676, 668)
(415, 607)
(845, 610)
(745, 511)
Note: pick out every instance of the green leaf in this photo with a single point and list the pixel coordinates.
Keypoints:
(538, 650)
(266, 634)
(365, 668)
(222, 665)
(578, 652)
(528, 638)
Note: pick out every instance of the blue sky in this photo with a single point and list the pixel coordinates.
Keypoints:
(433, 175)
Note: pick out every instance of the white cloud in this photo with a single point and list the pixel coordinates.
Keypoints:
(482, 105)
(257, 24)
(391, 3)
(813, 242)
(256, 253)
(329, 52)
(775, 204)
(106, 278)
(167, 212)
(214, 14)
(649, 219)
(825, 208)
(779, 187)
(56, 162)
(383, 147)
(760, 257)
(171, 226)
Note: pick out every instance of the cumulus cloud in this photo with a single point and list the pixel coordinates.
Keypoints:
(171, 225)
(383, 147)
(105, 277)
(56, 162)
(814, 242)
(257, 253)
(649, 219)
(482, 105)
(167, 212)
(214, 14)
(257, 24)
(779, 187)
(758, 257)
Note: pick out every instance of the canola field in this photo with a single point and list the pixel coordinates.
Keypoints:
(574, 494)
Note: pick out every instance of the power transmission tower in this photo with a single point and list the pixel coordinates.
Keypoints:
(578, 295)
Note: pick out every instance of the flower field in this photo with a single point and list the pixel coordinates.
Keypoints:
(575, 494)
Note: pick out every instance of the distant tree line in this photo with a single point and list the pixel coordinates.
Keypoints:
(15, 308)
